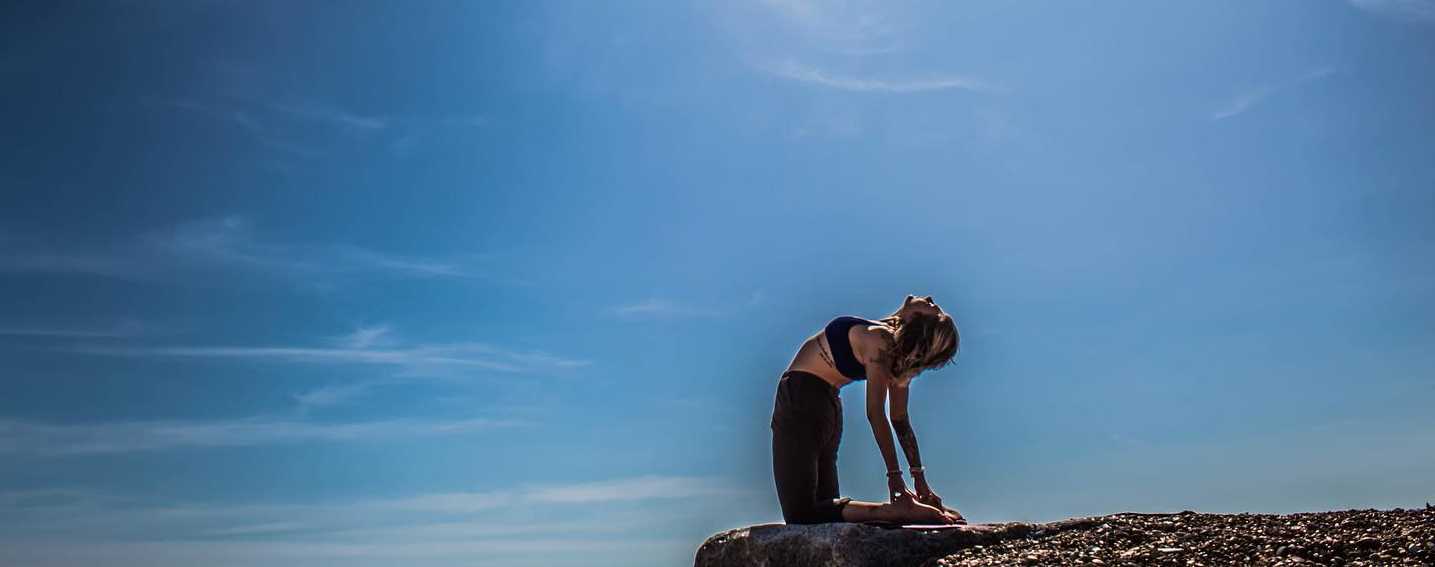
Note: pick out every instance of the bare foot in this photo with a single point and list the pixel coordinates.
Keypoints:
(911, 511)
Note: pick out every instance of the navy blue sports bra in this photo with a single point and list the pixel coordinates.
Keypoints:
(842, 356)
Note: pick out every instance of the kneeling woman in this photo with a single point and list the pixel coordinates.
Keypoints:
(807, 415)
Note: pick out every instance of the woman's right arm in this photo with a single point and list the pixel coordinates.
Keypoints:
(878, 379)
(877, 417)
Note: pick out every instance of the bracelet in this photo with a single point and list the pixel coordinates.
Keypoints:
(916, 470)
(897, 472)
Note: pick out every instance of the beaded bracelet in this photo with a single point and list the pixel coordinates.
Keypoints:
(916, 470)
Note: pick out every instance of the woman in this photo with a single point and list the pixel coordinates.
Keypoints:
(807, 415)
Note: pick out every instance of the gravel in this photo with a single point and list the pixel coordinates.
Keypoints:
(1346, 539)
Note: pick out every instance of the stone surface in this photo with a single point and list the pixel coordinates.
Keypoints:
(856, 545)
(1187, 539)
(1345, 538)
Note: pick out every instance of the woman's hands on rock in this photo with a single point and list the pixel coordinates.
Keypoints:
(897, 489)
(926, 495)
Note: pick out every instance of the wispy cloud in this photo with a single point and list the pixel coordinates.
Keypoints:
(332, 114)
(811, 75)
(659, 516)
(366, 346)
(37, 438)
(415, 132)
(336, 394)
(229, 241)
(224, 246)
(657, 306)
(418, 360)
(634, 489)
(853, 28)
(126, 329)
(365, 337)
(641, 488)
(1245, 100)
(310, 129)
(1413, 10)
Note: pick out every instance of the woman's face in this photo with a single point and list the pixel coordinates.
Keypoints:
(913, 305)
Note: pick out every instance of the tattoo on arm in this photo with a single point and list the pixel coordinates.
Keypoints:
(908, 439)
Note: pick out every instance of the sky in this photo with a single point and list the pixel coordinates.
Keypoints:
(512, 283)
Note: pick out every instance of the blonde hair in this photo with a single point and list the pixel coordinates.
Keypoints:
(920, 342)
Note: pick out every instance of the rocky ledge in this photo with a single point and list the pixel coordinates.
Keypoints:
(1346, 538)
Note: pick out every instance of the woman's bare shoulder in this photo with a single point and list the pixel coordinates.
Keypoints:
(868, 341)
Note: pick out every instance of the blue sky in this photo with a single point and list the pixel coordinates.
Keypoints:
(511, 283)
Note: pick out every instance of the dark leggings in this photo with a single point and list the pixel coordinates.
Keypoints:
(806, 429)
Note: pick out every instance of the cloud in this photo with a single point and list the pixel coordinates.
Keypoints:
(641, 488)
(1410, 10)
(37, 438)
(367, 346)
(310, 129)
(365, 337)
(126, 329)
(418, 359)
(415, 132)
(337, 393)
(852, 28)
(229, 241)
(811, 75)
(1245, 100)
(656, 306)
(665, 307)
(228, 245)
(659, 516)
(332, 114)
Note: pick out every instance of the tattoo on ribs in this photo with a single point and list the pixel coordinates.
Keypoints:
(908, 439)
(825, 358)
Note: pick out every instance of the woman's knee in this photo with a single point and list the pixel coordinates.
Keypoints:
(820, 512)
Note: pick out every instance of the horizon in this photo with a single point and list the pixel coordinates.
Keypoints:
(512, 283)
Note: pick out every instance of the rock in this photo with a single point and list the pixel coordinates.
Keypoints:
(857, 545)
(1349, 538)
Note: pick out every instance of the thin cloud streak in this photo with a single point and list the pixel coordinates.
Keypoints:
(225, 246)
(665, 307)
(46, 439)
(459, 355)
(851, 28)
(811, 75)
(309, 129)
(1410, 10)
(1249, 98)
(129, 329)
(337, 394)
(106, 513)
(480, 527)
(365, 337)
(332, 114)
(229, 241)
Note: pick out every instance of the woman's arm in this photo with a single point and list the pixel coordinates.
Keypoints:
(902, 423)
(877, 416)
(868, 344)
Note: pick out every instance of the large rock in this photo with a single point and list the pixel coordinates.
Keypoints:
(857, 545)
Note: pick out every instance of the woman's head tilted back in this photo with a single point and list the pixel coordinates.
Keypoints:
(926, 337)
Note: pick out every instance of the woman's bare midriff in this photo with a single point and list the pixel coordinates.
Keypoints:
(809, 359)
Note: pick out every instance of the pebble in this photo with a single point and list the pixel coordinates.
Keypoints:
(1350, 538)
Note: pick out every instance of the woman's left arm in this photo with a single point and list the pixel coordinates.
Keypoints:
(902, 425)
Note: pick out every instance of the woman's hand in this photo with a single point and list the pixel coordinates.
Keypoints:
(897, 489)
